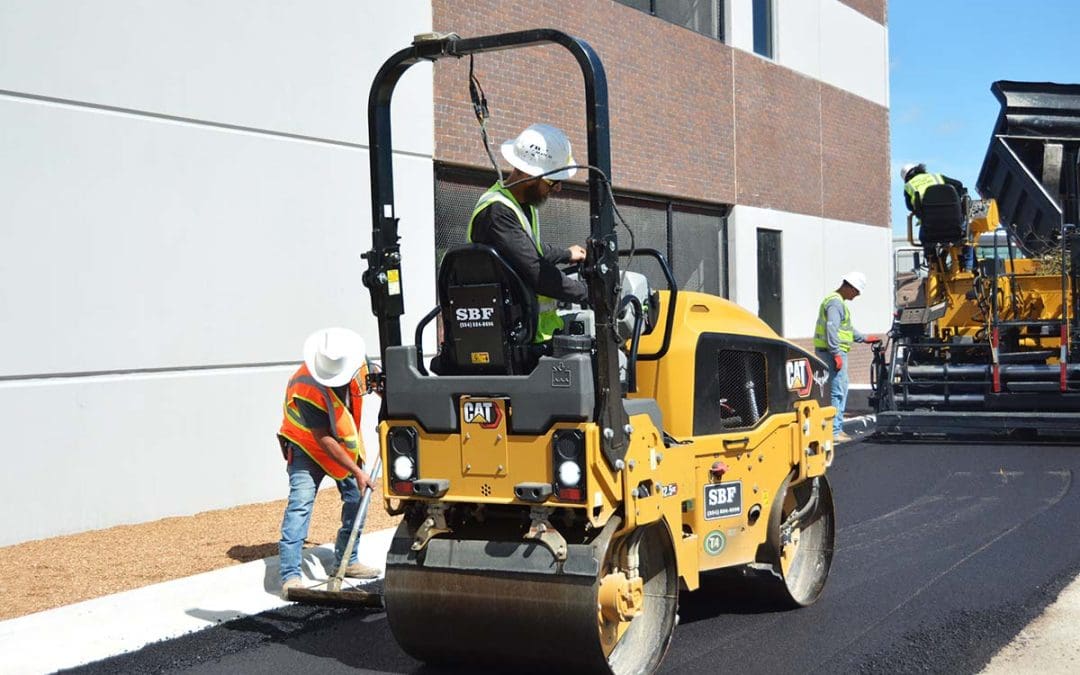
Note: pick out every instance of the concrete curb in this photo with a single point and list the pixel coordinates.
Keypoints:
(96, 629)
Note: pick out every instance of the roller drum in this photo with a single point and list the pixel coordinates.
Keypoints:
(511, 605)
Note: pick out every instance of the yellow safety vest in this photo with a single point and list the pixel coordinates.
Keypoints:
(919, 184)
(547, 320)
(846, 334)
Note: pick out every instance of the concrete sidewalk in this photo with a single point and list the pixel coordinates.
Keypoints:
(89, 631)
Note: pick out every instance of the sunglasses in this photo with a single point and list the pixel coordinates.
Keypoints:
(551, 183)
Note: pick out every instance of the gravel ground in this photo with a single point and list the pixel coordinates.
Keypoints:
(48, 573)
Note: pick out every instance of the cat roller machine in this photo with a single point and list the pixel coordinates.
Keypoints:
(986, 338)
(557, 497)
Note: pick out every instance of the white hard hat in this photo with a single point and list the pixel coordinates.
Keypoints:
(856, 280)
(539, 149)
(334, 355)
(909, 167)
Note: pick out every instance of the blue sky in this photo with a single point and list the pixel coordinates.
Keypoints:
(944, 55)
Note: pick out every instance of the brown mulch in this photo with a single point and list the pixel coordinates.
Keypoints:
(48, 573)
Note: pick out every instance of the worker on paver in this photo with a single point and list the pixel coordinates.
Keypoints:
(505, 218)
(833, 337)
(917, 180)
(320, 436)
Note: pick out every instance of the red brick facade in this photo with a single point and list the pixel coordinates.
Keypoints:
(690, 116)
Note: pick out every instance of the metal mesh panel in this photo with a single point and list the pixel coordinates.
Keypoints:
(744, 396)
(699, 249)
(648, 220)
(698, 261)
(454, 202)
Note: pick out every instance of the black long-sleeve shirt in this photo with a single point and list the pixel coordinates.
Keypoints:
(498, 227)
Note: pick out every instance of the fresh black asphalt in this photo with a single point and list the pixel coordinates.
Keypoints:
(944, 552)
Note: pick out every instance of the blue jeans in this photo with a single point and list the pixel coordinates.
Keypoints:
(838, 380)
(304, 478)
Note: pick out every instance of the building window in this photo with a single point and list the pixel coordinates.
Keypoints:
(691, 235)
(763, 28)
(702, 16)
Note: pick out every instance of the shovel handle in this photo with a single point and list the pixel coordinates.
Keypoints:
(334, 584)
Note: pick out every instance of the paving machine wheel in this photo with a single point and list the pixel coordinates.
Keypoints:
(556, 497)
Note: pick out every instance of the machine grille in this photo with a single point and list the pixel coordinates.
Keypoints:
(743, 389)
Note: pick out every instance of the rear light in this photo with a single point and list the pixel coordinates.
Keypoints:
(568, 463)
(571, 494)
(401, 443)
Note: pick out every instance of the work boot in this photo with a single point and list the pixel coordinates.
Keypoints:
(291, 582)
(361, 571)
(841, 437)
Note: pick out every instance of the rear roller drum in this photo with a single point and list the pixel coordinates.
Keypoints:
(802, 531)
(475, 609)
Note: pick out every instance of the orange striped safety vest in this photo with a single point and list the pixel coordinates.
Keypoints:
(346, 422)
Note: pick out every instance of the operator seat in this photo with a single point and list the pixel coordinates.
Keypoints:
(941, 216)
(488, 315)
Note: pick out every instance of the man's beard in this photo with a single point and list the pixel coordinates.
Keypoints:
(532, 195)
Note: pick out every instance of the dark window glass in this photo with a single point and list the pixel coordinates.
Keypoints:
(702, 16)
(763, 27)
(697, 15)
(693, 237)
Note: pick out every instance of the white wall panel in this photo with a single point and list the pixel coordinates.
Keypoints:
(854, 52)
(155, 244)
(184, 196)
(825, 40)
(740, 24)
(798, 35)
(128, 449)
(816, 252)
(282, 65)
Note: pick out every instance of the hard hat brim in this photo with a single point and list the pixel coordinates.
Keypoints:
(355, 355)
(507, 149)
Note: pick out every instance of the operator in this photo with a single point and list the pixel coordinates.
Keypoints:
(916, 182)
(505, 218)
(317, 444)
(833, 337)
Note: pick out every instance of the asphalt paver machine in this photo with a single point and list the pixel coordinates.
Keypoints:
(986, 337)
(557, 497)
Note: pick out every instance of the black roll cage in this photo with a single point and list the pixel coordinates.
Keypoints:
(601, 275)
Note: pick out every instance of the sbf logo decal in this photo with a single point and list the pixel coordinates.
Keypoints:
(474, 317)
(800, 378)
(485, 413)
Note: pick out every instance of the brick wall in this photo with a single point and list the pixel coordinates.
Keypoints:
(855, 158)
(875, 9)
(778, 148)
(670, 107)
(690, 116)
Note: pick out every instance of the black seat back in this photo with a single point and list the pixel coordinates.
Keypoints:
(489, 314)
(941, 216)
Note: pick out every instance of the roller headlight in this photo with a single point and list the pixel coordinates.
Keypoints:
(403, 467)
(568, 464)
(401, 444)
(569, 474)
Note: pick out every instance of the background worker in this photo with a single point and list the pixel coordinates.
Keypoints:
(833, 337)
(320, 436)
(506, 219)
(917, 180)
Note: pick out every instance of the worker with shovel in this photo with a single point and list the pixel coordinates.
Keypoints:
(320, 436)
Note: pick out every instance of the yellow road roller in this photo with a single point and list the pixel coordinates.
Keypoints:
(557, 496)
